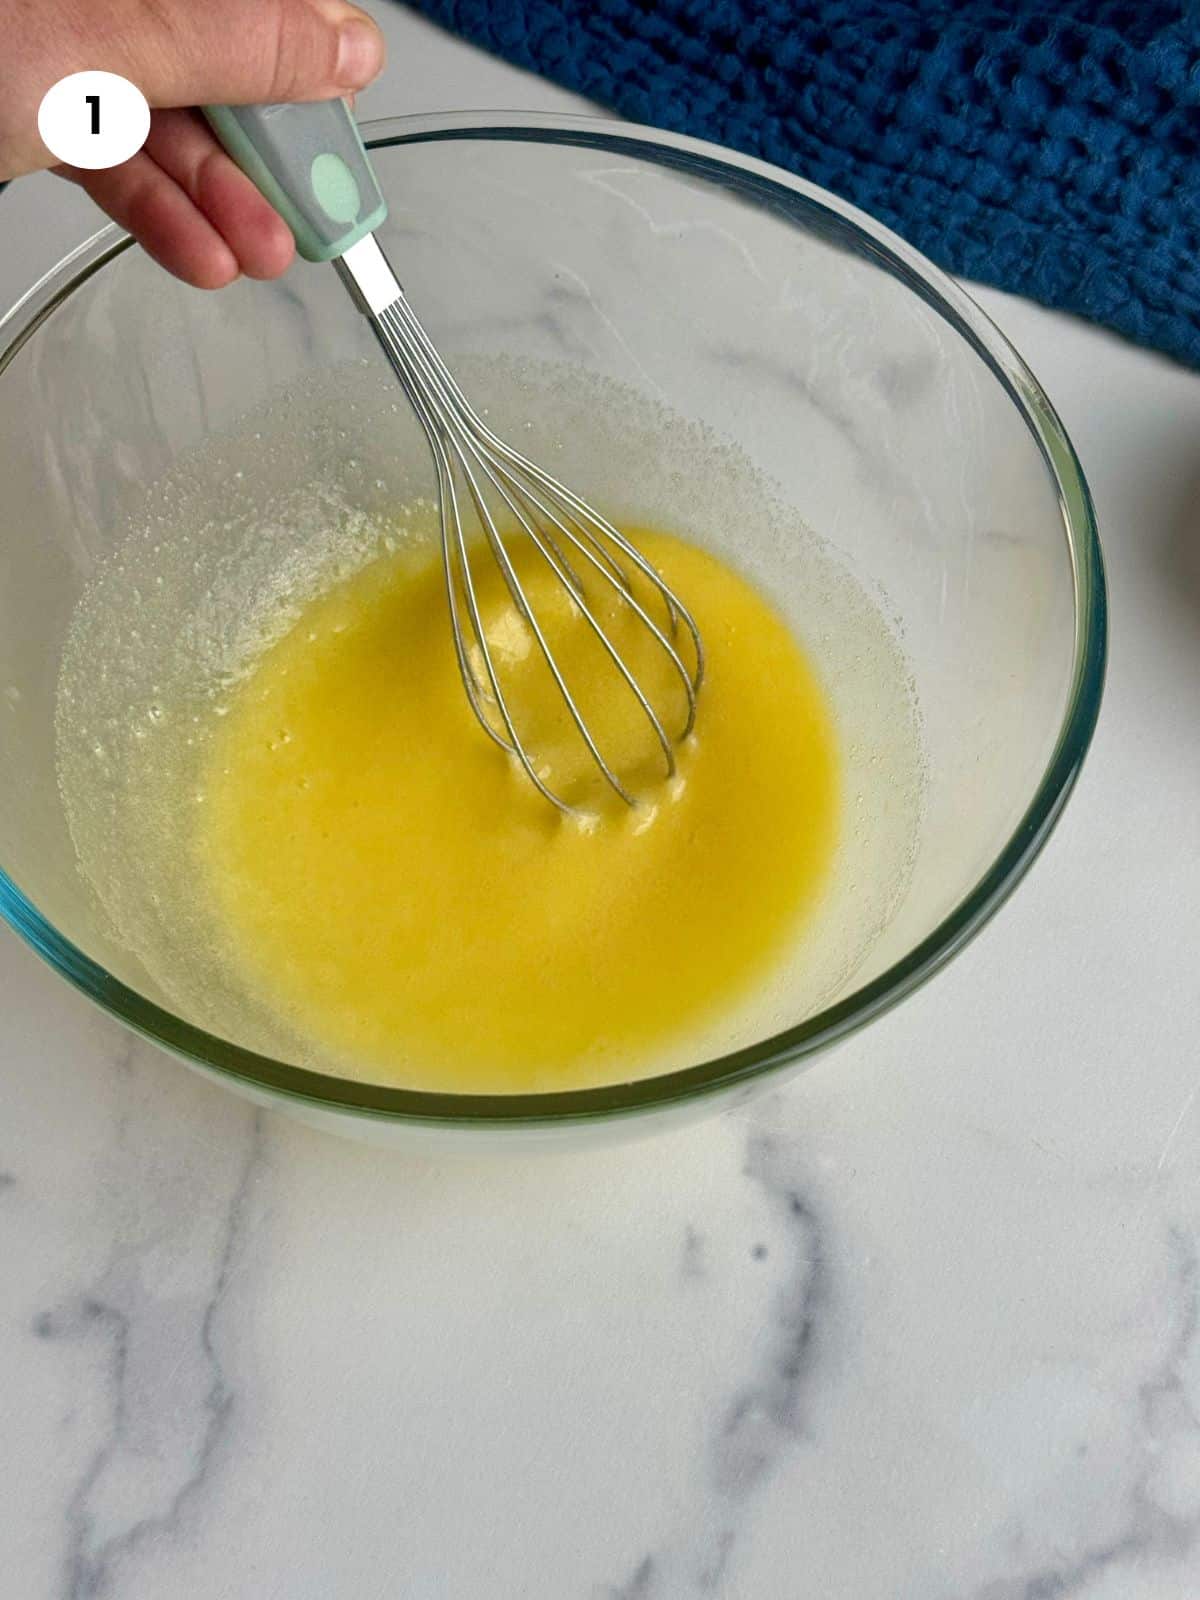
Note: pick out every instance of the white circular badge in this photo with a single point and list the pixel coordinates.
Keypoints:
(94, 119)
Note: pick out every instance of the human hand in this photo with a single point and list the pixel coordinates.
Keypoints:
(181, 196)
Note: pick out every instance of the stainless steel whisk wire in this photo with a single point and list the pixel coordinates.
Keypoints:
(310, 163)
(551, 515)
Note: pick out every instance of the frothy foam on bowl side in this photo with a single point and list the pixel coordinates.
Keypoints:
(233, 544)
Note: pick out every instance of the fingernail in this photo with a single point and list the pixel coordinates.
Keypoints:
(360, 53)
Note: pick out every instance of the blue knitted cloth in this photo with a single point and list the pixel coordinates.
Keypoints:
(1052, 149)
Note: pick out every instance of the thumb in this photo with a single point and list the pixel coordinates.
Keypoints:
(242, 52)
(182, 53)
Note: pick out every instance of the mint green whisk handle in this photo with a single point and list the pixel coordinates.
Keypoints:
(309, 162)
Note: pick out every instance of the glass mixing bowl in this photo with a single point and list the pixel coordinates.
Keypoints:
(888, 411)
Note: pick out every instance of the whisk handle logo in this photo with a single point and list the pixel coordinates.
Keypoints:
(309, 162)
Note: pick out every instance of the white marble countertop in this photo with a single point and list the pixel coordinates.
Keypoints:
(925, 1325)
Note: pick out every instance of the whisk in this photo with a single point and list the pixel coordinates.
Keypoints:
(309, 162)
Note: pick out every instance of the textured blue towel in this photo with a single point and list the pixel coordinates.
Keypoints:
(1050, 150)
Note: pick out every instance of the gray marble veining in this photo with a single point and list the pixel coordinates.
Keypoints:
(1159, 1521)
(764, 1414)
(149, 1324)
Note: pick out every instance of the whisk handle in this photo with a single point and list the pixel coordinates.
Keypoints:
(309, 162)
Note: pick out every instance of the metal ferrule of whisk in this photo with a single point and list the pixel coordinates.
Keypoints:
(477, 470)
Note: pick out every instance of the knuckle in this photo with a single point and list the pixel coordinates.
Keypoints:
(301, 48)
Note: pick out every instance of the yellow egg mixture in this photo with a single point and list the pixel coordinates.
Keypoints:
(387, 881)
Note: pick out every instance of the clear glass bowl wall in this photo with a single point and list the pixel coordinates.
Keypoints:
(894, 418)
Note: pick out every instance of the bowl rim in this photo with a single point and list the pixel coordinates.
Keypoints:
(260, 1074)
